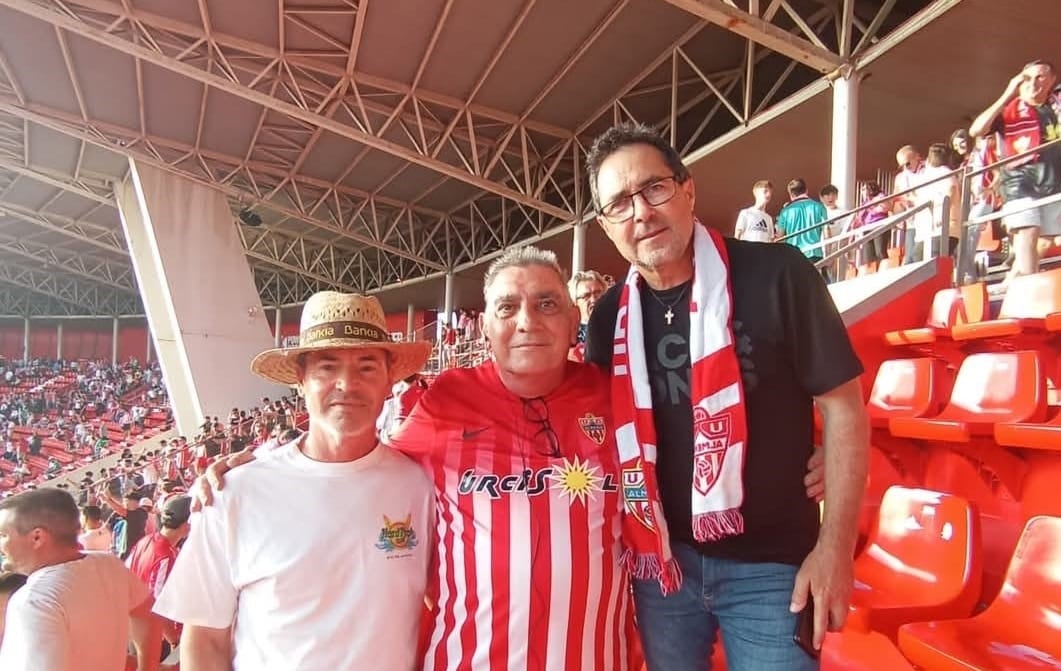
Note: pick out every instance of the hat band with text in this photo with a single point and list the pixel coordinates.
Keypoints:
(331, 330)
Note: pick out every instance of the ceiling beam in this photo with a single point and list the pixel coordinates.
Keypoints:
(77, 187)
(308, 116)
(758, 30)
(110, 241)
(896, 37)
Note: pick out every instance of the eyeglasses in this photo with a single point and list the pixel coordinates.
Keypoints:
(621, 209)
(589, 294)
(536, 412)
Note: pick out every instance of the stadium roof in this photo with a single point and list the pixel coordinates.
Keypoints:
(380, 142)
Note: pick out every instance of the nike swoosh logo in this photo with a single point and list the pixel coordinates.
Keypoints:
(468, 434)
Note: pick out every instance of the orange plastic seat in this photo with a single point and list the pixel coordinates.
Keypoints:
(950, 308)
(991, 388)
(921, 561)
(1019, 631)
(906, 388)
(1045, 436)
(1029, 300)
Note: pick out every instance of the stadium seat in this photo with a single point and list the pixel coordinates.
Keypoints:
(921, 562)
(906, 388)
(990, 388)
(1045, 436)
(1019, 631)
(1029, 301)
(950, 307)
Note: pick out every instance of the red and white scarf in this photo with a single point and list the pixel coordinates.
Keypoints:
(719, 423)
(1021, 131)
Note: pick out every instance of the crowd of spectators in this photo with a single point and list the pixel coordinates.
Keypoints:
(55, 414)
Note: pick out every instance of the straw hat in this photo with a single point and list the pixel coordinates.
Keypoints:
(333, 320)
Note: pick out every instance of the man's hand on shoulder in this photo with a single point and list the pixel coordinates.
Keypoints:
(213, 480)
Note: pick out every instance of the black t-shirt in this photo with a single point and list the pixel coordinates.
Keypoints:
(135, 529)
(792, 346)
(1041, 177)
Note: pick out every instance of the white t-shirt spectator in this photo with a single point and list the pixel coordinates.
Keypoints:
(72, 617)
(755, 225)
(97, 540)
(330, 576)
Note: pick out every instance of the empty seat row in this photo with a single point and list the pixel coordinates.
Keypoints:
(918, 581)
(999, 394)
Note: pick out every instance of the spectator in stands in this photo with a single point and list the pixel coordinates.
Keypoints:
(802, 216)
(985, 200)
(908, 177)
(132, 514)
(743, 369)
(350, 595)
(154, 556)
(9, 584)
(95, 536)
(875, 248)
(586, 287)
(1024, 119)
(828, 197)
(76, 611)
(754, 223)
(938, 185)
(961, 146)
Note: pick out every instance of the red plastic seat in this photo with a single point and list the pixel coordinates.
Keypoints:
(1019, 631)
(991, 388)
(1029, 300)
(921, 561)
(1045, 436)
(906, 388)
(950, 307)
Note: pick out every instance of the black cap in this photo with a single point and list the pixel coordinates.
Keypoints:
(176, 511)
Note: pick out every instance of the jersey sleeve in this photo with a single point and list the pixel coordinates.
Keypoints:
(200, 590)
(814, 332)
(138, 592)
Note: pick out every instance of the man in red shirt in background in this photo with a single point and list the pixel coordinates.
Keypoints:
(153, 557)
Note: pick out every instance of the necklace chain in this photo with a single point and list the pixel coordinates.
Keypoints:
(669, 314)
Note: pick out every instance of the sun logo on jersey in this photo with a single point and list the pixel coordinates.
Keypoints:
(576, 480)
(398, 535)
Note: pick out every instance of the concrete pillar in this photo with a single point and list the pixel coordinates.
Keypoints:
(203, 308)
(59, 341)
(845, 137)
(25, 339)
(277, 317)
(447, 301)
(114, 341)
(410, 322)
(578, 249)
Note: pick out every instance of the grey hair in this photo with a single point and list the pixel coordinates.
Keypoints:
(522, 257)
(584, 276)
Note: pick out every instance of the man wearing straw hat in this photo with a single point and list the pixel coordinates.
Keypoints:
(315, 556)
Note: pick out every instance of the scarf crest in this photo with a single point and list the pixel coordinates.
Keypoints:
(719, 419)
(1021, 130)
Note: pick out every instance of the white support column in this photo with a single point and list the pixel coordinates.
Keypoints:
(59, 341)
(578, 249)
(277, 318)
(202, 306)
(25, 339)
(147, 354)
(410, 322)
(845, 137)
(447, 300)
(114, 342)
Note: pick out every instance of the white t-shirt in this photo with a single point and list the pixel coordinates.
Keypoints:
(935, 193)
(318, 566)
(755, 225)
(97, 540)
(72, 617)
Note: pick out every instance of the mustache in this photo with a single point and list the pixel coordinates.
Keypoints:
(352, 397)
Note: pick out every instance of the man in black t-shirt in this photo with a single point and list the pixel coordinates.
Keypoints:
(135, 518)
(793, 351)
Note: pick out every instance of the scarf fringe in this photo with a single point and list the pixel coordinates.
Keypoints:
(717, 525)
(648, 567)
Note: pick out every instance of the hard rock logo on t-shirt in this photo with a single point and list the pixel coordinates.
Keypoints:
(710, 439)
(397, 536)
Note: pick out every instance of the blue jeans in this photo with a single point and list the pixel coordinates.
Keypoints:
(747, 601)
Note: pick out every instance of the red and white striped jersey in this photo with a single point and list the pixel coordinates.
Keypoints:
(526, 574)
